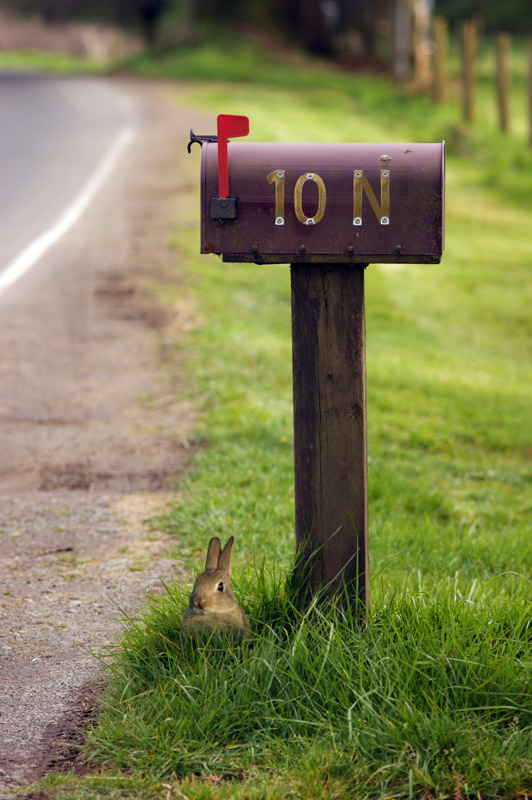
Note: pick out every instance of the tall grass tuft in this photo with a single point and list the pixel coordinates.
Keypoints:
(435, 692)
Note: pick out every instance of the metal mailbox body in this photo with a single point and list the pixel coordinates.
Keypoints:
(327, 203)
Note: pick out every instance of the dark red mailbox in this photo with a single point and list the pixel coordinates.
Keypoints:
(324, 203)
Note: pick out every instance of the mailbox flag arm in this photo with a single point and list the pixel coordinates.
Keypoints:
(199, 138)
(228, 125)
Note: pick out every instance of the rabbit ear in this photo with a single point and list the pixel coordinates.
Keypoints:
(224, 561)
(213, 553)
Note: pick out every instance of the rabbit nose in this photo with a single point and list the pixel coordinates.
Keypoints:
(199, 603)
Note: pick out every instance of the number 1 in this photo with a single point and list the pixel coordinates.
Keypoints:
(277, 177)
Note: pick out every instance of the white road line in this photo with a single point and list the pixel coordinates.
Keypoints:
(39, 246)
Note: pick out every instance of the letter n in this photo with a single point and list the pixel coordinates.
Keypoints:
(361, 185)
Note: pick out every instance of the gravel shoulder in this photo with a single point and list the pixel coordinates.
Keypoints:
(94, 436)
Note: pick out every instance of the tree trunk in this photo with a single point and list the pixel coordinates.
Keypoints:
(308, 23)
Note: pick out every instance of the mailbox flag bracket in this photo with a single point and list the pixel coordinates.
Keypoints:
(225, 207)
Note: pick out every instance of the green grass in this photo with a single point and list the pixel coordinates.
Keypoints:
(434, 695)
(433, 699)
(43, 61)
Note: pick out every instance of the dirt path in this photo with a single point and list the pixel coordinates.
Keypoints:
(93, 436)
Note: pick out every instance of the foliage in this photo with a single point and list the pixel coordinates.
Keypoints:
(513, 15)
(64, 10)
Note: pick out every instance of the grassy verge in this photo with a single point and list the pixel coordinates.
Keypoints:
(431, 698)
(52, 62)
(434, 699)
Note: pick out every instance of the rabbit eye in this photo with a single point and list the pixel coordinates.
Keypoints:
(220, 586)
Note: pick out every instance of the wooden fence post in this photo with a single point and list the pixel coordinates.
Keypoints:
(469, 54)
(503, 79)
(402, 46)
(440, 59)
(330, 440)
(420, 39)
(530, 93)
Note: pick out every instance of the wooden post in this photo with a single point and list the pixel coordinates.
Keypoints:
(330, 440)
(503, 80)
(530, 94)
(440, 59)
(469, 54)
(420, 12)
(402, 44)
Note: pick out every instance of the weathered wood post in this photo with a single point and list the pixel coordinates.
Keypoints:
(469, 58)
(328, 211)
(503, 79)
(440, 59)
(529, 87)
(330, 439)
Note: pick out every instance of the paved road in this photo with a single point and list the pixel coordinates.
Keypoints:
(70, 366)
(54, 135)
(92, 430)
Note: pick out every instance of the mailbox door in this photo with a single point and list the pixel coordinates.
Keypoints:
(320, 203)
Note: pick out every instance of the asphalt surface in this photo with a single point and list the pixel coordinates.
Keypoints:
(54, 133)
(94, 431)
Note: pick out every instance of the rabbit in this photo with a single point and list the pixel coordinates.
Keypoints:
(212, 604)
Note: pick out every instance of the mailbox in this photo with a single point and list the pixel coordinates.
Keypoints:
(335, 205)
(322, 203)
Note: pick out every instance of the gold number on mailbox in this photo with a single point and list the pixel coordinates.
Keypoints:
(298, 199)
(277, 177)
(361, 185)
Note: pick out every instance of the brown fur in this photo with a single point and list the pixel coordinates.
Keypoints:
(212, 604)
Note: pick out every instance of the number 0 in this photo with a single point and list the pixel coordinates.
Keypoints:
(298, 199)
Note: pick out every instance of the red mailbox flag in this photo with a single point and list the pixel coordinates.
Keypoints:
(228, 125)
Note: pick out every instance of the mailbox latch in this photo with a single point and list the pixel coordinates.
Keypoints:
(224, 207)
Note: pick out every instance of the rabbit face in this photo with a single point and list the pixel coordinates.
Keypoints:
(212, 593)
